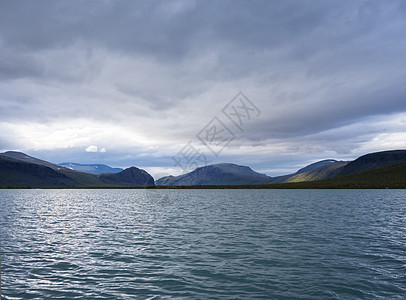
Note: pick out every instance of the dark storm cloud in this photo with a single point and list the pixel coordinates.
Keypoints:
(171, 29)
(153, 23)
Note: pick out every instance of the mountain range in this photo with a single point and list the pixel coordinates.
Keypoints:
(233, 175)
(380, 169)
(21, 170)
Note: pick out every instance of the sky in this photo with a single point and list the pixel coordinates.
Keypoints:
(153, 84)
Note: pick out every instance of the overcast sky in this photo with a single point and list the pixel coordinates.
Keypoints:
(132, 82)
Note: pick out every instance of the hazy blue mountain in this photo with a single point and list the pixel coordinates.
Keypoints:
(91, 168)
(218, 174)
(373, 161)
(166, 180)
(20, 170)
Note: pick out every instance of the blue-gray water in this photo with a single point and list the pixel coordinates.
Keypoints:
(203, 244)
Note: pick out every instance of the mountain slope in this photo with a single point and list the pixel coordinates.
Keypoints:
(29, 159)
(391, 176)
(95, 169)
(15, 173)
(315, 171)
(316, 165)
(323, 172)
(218, 174)
(373, 160)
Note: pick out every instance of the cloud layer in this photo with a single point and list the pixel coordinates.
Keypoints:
(142, 78)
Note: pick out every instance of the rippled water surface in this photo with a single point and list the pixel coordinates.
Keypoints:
(203, 244)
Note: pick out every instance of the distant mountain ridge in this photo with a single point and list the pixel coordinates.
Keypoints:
(21, 170)
(95, 169)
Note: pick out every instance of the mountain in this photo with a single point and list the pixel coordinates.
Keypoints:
(96, 169)
(324, 171)
(16, 173)
(130, 176)
(373, 170)
(166, 180)
(29, 159)
(20, 170)
(231, 174)
(316, 171)
(391, 176)
(331, 168)
(373, 160)
(316, 165)
(217, 174)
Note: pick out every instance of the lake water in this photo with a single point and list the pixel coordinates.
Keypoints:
(203, 244)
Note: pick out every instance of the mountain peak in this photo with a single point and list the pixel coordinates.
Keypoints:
(132, 176)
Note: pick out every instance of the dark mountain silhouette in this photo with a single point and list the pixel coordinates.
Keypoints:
(15, 173)
(373, 160)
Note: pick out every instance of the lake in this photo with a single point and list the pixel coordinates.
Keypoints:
(203, 244)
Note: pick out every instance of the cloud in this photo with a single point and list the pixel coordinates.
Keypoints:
(94, 148)
(91, 148)
(143, 78)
